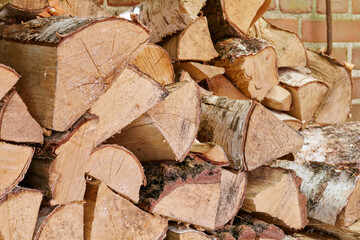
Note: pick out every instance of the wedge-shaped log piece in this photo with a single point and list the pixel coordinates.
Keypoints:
(295, 123)
(200, 71)
(132, 94)
(67, 63)
(14, 162)
(175, 233)
(166, 17)
(335, 106)
(8, 78)
(26, 9)
(192, 44)
(166, 131)
(290, 51)
(223, 87)
(65, 221)
(210, 152)
(18, 213)
(332, 193)
(287, 207)
(59, 167)
(193, 192)
(307, 92)
(110, 216)
(119, 169)
(16, 123)
(242, 58)
(278, 98)
(250, 135)
(83, 8)
(351, 232)
(155, 61)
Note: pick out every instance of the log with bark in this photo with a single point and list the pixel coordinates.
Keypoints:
(57, 85)
(26, 9)
(278, 98)
(294, 123)
(223, 87)
(351, 232)
(200, 71)
(8, 78)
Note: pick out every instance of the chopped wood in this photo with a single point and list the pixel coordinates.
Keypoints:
(278, 98)
(18, 213)
(83, 8)
(127, 3)
(155, 61)
(200, 71)
(294, 123)
(65, 221)
(289, 48)
(287, 207)
(351, 232)
(223, 87)
(183, 76)
(166, 17)
(4, 3)
(110, 216)
(57, 85)
(250, 64)
(175, 233)
(119, 169)
(8, 78)
(166, 131)
(26, 9)
(310, 236)
(191, 44)
(250, 135)
(210, 152)
(194, 192)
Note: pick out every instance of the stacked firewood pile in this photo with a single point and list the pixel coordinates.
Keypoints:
(194, 120)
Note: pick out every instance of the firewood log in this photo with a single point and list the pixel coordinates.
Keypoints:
(27, 9)
(289, 48)
(4, 3)
(250, 135)
(110, 216)
(166, 17)
(14, 162)
(62, 221)
(59, 167)
(200, 71)
(222, 87)
(166, 131)
(210, 152)
(332, 193)
(193, 192)
(351, 232)
(119, 169)
(175, 233)
(278, 98)
(242, 58)
(124, 2)
(191, 44)
(155, 61)
(8, 78)
(57, 85)
(18, 213)
(286, 208)
(16, 123)
(83, 8)
(311, 236)
(294, 123)
(335, 106)
(307, 92)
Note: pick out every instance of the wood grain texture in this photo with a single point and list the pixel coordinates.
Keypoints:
(8, 78)
(278, 98)
(83, 8)
(200, 71)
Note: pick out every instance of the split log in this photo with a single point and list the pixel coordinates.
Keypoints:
(193, 192)
(14, 162)
(119, 169)
(332, 193)
(200, 71)
(310, 236)
(192, 44)
(210, 152)
(65, 221)
(241, 58)
(83, 8)
(307, 92)
(167, 17)
(335, 106)
(230, 18)
(351, 232)
(27, 9)
(109, 216)
(8, 78)
(18, 213)
(183, 76)
(155, 61)
(126, 3)
(175, 233)
(286, 208)
(166, 131)
(222, 87)
(57, 85)
(294, 123)
(278, 98)
(16, 123)
(290, 50)
(250, 135)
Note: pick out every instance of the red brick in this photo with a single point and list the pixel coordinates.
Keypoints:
(356, 6)
(117, 3)
(340, 54)
(356, 88)
(272, 5)
(356, 58)
(337, 6)
(296, 6)
(355, 113)
(343, 31)
(287, 24)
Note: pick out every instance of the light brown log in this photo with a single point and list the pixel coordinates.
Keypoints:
(26, 9)
(117, 3)
(191, 44)
(210, 152)
(16, 124)
(175, 233)
(351, 232)
(200, 71)
(193, 192)
(290, 50)
(335, 106)
(183, 76)
(18, 213)
(119, 169)
(307, 92)
(8, 78)
(311, 236)
(250, 135)
(66, 66)
(294, 123)
(14, 162)
(166, 131)
(166, 17)
(83, 8)
(155, 61)
(109, 216)
(62, 221)
(278, 98)
(275, 195)
(222, 87)
(242, 58)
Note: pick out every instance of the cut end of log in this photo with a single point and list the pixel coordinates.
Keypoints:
(8, 78)
(278, 98)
